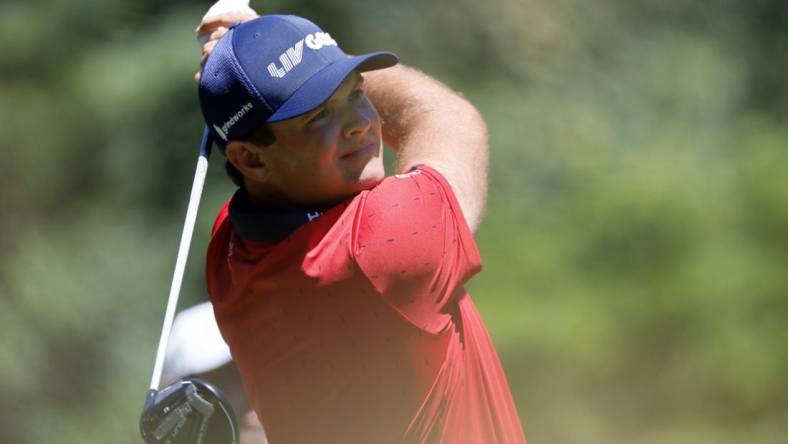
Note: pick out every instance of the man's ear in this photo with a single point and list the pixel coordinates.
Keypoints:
(246, 157)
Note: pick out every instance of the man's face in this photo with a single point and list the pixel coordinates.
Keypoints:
(330, 153)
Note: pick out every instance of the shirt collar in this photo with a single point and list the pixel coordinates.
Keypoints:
(266, 224)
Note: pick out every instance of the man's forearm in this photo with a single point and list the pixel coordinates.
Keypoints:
(409, 100)
(426, 122)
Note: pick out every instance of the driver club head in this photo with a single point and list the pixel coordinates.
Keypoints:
(189, 411)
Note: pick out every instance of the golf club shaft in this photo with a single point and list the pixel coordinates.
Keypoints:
(183, 254)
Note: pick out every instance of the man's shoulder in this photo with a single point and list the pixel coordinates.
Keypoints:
(397, 186)
(420, 195)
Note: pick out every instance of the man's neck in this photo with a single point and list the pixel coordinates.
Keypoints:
(264, 196)
(261, 196)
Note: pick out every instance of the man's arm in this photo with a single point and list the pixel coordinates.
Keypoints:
(427, 123)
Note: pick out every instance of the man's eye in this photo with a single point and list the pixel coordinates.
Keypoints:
(319, 116)
(357, 95)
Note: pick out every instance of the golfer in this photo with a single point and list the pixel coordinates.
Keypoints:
(340, 291)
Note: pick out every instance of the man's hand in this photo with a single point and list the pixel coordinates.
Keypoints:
(217, 21)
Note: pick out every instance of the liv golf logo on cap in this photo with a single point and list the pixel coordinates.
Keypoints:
(294, 54)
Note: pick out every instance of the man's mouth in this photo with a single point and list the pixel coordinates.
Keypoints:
(360, 152)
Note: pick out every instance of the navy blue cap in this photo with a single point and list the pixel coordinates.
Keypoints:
(273, 68)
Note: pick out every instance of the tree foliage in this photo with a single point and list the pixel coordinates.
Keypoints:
(635, 244)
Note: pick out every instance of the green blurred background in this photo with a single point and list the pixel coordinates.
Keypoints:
(635, 244)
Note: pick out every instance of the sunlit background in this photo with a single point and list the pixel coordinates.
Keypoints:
(635, 243)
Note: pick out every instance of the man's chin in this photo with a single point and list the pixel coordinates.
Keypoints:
(371, 175)
(369, 183)
(361, 184)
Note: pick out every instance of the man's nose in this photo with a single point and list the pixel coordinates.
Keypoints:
(357, 124)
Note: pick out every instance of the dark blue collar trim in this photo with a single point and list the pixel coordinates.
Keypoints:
(266, 224)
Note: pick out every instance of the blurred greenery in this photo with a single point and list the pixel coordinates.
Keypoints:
(635, 243)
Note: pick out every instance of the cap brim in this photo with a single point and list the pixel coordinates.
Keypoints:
(315, 91)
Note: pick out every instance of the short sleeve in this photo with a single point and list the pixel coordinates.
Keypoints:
(413, 244)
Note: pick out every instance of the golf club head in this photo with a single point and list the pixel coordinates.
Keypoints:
(190, 411)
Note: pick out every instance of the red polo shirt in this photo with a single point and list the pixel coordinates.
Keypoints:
(356, 327)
